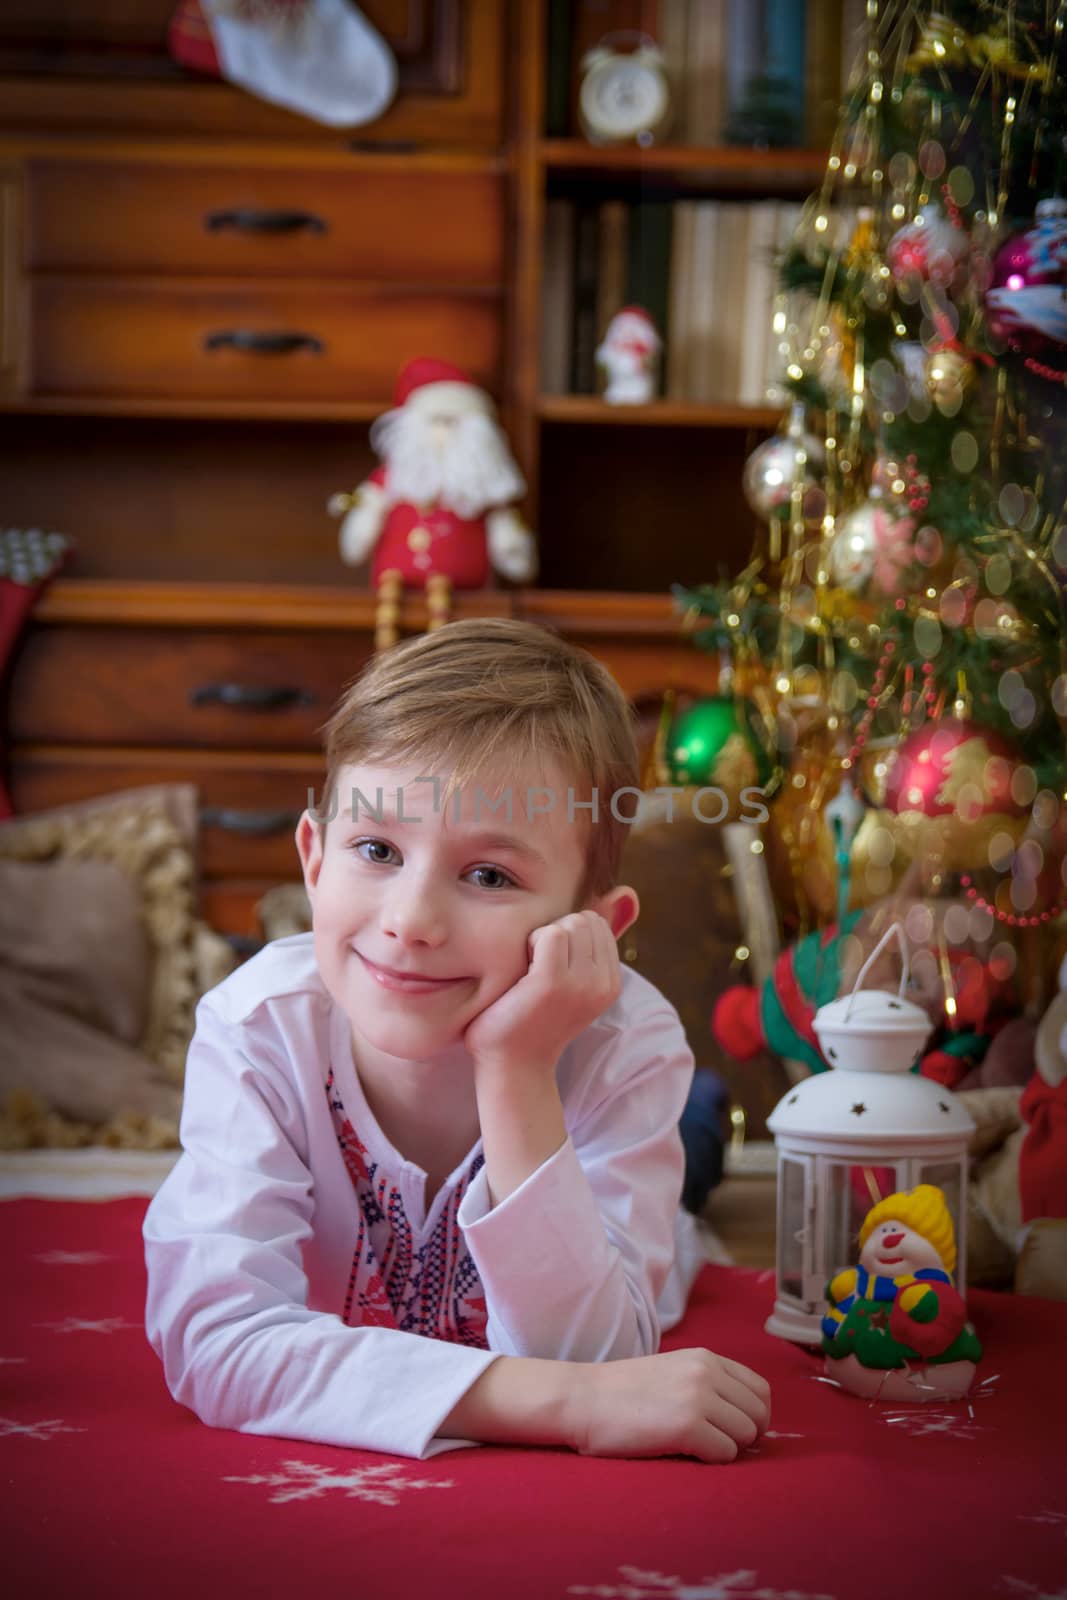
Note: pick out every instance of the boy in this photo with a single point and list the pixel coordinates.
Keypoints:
(428, 1195)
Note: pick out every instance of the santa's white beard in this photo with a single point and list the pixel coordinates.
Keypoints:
(474, 471)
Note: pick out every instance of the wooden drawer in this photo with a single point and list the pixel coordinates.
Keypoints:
(381, 221)
(249, 805)
(183, 340)
(212, 689)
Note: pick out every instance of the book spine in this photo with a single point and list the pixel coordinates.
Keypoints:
(824, 51)
(673, 38)
(612, 229)
(705, 72)
(584, 335)
(648, 277)
(744, 48)
(678, 384)
(730, 278)
(705, 335)
(758, 300)
(558, 75)
(557, 297)
(783, 56)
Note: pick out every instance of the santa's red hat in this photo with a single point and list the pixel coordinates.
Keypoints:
(433, 385)
(634, 326)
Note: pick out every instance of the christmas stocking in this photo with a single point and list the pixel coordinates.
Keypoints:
(28, 563)
(321, 58)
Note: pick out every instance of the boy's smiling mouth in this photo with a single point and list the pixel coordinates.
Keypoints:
(405, 982)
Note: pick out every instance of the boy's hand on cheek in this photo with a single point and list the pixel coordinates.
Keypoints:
(573, 976)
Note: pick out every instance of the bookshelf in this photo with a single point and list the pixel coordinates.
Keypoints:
(632, 498)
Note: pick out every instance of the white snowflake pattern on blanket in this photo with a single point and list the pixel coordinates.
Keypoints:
(310, 1480)
(739, 1585)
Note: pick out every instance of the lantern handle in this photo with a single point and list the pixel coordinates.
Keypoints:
(893, 928)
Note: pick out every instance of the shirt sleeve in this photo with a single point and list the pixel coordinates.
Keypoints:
(573, 1262)
(227, 1308)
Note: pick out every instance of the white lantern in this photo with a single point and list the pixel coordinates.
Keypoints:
(847, 1138)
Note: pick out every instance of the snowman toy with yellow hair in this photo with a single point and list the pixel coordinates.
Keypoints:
(895, 1328)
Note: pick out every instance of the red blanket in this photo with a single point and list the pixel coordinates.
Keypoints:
(109, 1488)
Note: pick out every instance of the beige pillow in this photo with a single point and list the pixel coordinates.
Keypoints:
(103, 961)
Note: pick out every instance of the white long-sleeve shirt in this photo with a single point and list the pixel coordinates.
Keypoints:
(296, 1286)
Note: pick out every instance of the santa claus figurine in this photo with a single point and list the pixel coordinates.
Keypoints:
(628, 355)
(439, 511)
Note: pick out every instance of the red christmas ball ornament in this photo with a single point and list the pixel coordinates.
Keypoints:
(1026, 304)
(951, 787)
(953, 767)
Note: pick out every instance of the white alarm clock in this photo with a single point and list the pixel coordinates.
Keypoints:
(624, 95)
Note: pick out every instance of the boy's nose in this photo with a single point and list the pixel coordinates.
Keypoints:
(413, 915)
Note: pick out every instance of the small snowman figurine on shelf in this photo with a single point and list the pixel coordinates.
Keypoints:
(895, 1328)
(629, 355)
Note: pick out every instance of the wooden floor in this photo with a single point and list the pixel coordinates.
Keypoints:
(742, 1212)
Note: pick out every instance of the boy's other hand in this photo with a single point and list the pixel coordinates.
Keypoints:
(573, 976)
(682, 1402)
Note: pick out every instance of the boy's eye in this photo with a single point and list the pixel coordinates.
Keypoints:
(377, 851)
(492, 878)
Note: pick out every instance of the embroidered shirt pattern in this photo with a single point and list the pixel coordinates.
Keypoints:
(433, 1288)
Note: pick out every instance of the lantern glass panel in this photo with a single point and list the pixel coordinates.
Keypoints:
(792, 1221)
(851, 1191)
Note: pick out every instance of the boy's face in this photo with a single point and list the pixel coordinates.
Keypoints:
(421, 920)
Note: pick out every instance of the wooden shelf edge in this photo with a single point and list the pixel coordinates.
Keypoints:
(580, 408)
(159, 149)
(725, 161)
(176, 759)
(106, 601)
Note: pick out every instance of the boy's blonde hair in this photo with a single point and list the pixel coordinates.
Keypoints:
(485, 694)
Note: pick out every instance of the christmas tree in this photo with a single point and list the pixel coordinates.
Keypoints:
(895, 650)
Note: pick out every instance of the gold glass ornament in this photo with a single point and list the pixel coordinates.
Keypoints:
(949, 378)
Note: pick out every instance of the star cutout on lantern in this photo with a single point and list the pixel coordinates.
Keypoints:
(858, 1109)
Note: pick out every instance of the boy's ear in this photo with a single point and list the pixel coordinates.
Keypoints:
(619, 908)
(309, 845)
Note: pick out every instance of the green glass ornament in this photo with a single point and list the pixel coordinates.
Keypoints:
(713, 744)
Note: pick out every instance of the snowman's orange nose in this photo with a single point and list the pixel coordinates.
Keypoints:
(891, 1240)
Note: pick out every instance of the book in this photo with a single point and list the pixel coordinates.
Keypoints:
(558, 69)
(792, 306)
(731, 273)
(824, 52)
(853, 38)
(583, 322)
(705, 72)
(759, 285)
(765, 72)
(648, 262)
(673, 42)
(678, 382)
(612, 262)
(704, 364)
(557, 297)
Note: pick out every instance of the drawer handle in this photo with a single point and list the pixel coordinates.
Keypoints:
(250, 824)
(263, 344)
(246, 219)
(251, 696)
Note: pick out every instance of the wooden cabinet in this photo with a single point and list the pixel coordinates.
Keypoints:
(228, 687)
(109, 57)
(204, 301)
